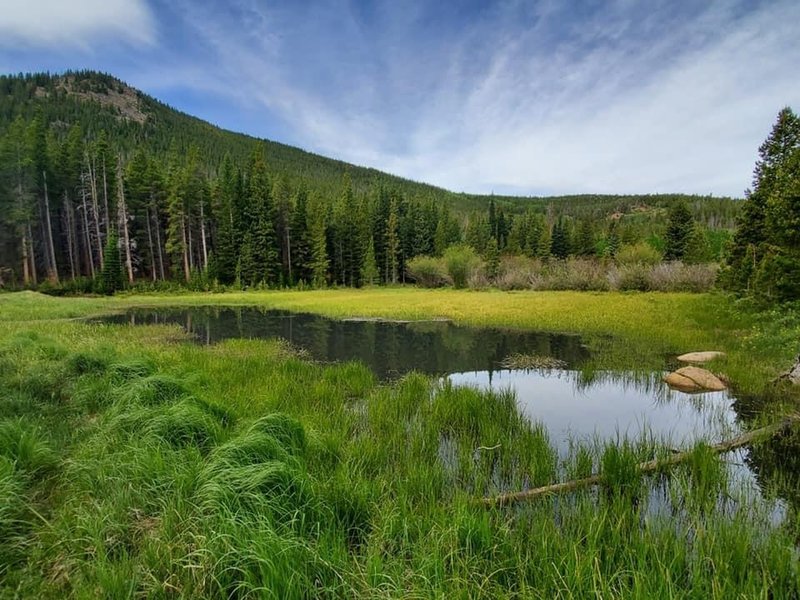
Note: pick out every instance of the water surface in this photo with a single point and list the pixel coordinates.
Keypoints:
(574, 404)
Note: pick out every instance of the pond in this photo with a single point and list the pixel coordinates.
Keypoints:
(574, 404)
(571, 404)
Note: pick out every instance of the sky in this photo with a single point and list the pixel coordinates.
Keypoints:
(511, 97)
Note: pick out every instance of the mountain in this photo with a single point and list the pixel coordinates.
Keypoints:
(83, 153)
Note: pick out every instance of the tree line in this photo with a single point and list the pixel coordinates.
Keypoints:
(63, 198)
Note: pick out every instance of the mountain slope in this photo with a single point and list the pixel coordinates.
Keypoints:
(101, 102)
(84, 156)
(133, 119)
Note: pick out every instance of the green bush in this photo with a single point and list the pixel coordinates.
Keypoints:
(428, 271)
(638, 254)
(461, 263)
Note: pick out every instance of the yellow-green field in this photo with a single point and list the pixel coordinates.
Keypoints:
(653, 325)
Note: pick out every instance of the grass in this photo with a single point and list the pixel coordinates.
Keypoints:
(133, 465)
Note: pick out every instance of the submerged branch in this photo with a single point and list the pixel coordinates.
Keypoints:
(643, 467)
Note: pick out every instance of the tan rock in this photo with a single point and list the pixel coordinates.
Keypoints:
(682, 383)
(700, 357)
(702, 380)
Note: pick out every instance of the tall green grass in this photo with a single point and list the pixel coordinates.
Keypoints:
(134, 466)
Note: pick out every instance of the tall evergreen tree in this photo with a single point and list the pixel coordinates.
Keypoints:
(760, 246)
(679, 231)
(264, 243)
(111, 278)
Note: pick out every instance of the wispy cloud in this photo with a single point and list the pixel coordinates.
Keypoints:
(521, 98)
(512, 96)
(60, 23)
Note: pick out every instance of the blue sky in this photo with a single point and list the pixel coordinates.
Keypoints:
(521, 97)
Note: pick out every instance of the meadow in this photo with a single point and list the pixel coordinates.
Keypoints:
(136, 464)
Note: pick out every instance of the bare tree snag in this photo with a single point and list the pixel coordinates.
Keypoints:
(649, 466)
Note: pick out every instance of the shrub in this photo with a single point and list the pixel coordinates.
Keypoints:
(638, 254)
(428, 271)
(461, 263)
(575, 274)
(678, 277)
(517, 272)
(633, 278)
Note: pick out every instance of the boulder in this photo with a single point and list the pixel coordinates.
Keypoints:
(694, 379)
(700, 357)
(682, 384)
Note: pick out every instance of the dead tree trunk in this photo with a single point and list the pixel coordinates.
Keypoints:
(150, 244)
(792, 374)
(95, 208)
(186, 267)
(32, 255)
(203, 235)
(105, 197)
(649, 466)
(26, 265)
(53, 269)
(288, 250)
(158, 237)
(69, 225)
(123, 221)
(87, 243)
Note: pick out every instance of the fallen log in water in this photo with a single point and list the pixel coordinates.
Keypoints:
(649, 466)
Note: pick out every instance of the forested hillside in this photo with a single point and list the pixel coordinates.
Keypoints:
(89, 165)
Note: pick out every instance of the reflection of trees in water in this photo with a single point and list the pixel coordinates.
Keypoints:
(774, 461)
(776, 464)
(388, 348)
(645, 382)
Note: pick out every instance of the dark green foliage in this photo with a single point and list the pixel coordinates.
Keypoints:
(461, 263)
(560, 245)
(764, 255)
(183, 423)
(111, 279)
(492, 259)
(26, 447)
(679, 232)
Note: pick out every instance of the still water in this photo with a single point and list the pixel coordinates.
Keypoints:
(572, 405)
(574, 402)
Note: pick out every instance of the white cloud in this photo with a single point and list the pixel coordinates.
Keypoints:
(629, 99)
(48, 23)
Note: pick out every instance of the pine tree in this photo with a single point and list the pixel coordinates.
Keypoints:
(544, 243)
(756, 230)
(264, 243)
(300, 236)
(679, 231)
(111, 277)
(319, 249)
(370, 274)
(612, 242)
(392, 244)
(492, 259)
(559, 245)
(585, 241)
(226, 247)
(478, 233)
